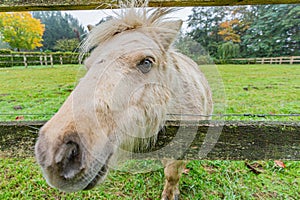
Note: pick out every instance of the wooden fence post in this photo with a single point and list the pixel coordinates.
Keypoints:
(51, 60)
(61, 60)
(41, 60)
(45, 60)
(25, 61)
(292, 60)
(11, 60)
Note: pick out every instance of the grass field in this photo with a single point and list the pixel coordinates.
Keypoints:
(35, 90)
(21, 179)
(264, 89)
(256, 89)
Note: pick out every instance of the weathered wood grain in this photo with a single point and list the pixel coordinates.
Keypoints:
(31, 5)
(214, 140)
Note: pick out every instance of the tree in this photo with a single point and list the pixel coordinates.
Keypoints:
(234, 28)
(20, 30)
(264, 30)
(227, 31)
(67, 45)
(204, 24)
(186, 45)
(274, 31)
(59, 26)
(228, 50)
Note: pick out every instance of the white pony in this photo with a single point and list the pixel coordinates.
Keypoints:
(134, 78)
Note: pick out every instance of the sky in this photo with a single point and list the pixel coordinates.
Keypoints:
(92, 17)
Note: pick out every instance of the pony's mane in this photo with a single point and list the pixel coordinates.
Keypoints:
(127, 19)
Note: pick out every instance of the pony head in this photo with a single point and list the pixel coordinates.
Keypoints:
(131, 83)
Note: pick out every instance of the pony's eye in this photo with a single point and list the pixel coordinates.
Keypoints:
(145, 65)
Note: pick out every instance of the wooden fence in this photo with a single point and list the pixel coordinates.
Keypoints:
(215, 140)
(31, 5)
(27, 60)
(271, 60)
(11, 60)
(17, 60)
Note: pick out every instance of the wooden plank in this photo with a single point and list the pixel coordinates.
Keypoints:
(31, 5)
(236, 140)
(215, 140)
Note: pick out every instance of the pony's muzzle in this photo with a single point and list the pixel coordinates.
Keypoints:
(67, 164)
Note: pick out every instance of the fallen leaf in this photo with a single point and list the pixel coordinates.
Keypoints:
(279, 163)
(20, 118)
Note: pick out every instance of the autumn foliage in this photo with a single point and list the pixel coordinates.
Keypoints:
(227, 30)
(232, 29)
(20, 30)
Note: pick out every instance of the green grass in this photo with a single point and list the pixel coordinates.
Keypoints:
(256, 89)
(21, 179)
(35, 90)
(247, 89)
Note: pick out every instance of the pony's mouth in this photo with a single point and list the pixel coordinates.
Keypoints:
(99, 176)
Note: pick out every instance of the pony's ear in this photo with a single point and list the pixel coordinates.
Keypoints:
(90, 27)
(168, 32)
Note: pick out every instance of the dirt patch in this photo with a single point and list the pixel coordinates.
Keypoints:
(17, 139)
(265, 195)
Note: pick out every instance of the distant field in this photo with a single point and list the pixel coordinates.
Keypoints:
(263, 89)
(255, 89)
(35, 90)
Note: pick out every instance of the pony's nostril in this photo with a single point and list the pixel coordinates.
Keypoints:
(72, 151)
(69, 160)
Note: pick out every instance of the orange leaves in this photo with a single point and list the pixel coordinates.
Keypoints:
(21, 30)
(19, 118)
(279, 163)
(227, 30)
(225, 25)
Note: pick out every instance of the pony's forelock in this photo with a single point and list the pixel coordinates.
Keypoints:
(127, 19)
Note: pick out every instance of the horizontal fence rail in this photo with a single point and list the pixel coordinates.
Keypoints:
(31, 5)
(271, 60)
(214, 140)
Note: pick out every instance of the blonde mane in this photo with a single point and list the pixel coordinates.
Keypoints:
(128, 19)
